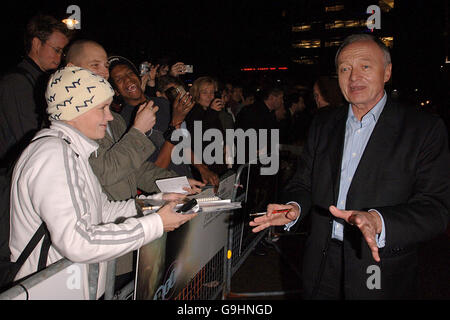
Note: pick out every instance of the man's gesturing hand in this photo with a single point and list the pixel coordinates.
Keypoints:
(369, 223)
(275, 219)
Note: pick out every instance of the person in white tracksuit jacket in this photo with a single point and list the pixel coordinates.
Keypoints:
(54, 183)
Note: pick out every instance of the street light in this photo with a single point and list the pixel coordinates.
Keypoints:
(70, 23)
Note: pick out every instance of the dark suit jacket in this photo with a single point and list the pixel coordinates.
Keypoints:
(404, 173)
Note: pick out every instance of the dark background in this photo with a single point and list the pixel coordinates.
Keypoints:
(216, 36)
(221, 37)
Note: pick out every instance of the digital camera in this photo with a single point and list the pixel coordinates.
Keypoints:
(172, 93)
(217, 95)
(188, 68)
(144, 68)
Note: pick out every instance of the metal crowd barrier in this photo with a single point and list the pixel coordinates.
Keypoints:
(213, 279)
(21, 290)
(241, 242)
(289, 155)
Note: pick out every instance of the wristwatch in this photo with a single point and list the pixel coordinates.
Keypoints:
(168, 135)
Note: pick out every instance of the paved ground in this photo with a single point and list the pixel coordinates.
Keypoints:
(272, 273)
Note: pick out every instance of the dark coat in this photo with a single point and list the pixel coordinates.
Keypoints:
(210, 120)
(404, 173)
(22, 108)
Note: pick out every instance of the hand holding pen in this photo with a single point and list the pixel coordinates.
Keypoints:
(273, 212)
(276, 215)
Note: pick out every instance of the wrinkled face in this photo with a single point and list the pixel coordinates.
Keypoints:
(93, 123)
(127, 84)
(47, 54)
(206, 94)
(94, 58)
(362, 74)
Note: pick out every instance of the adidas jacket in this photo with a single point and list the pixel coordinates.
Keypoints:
(53, 182)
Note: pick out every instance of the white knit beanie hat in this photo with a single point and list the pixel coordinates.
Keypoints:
(71, 91)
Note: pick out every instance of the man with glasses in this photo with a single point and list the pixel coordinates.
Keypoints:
(22, 102)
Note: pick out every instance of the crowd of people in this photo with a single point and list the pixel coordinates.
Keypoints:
(88, 132)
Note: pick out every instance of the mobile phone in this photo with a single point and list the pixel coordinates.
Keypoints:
(187, 206)
(188, 68)
(217, 95)
(144, 68)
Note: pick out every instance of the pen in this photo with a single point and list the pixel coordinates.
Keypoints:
(151, 208)
(274, 211)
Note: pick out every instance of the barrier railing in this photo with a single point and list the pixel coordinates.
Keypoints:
(212, 279)
(35, 287)
(243, 248)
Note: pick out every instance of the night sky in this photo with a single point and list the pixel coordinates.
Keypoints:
(214, 36)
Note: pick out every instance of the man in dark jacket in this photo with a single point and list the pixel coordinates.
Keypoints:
(22, 102)
(374, 180)
(261, 115)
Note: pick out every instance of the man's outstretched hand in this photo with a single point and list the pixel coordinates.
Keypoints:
(275, 219)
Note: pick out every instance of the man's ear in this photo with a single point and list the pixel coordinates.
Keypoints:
(387, 72)
(36, 44)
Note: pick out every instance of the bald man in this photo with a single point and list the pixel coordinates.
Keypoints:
(90, 55)
(121, 161)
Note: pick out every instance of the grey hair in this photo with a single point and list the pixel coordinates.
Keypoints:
(364, 37)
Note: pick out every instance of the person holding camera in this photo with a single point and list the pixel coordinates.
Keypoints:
(126, 81)
(151, 72)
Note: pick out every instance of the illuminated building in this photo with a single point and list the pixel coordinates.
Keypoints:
(319, 27)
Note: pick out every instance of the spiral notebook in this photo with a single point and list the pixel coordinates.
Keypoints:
(207, 199)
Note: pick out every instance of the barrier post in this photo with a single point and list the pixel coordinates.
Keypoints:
(110, 280)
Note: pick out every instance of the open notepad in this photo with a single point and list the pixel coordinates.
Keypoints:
(146, 206)
(208, 200)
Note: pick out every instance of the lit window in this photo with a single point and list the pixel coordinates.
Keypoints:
(351, 23)
(304, 27)
(386, 5)
(307, 44)
(335, 8)
(388, 41)
(335, 25)
(333, 43)
(345, 24)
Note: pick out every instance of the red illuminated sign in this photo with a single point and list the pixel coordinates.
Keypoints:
(263, 68)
